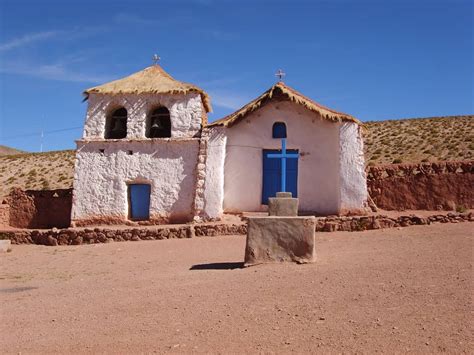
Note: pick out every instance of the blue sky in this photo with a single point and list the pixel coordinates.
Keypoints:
(373, 59)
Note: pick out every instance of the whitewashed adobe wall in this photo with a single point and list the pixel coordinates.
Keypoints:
(318, 171)
(214, 180)
(186, 112)
(352, 169)
(100, 180)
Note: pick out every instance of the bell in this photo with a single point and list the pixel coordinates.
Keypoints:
(156, 124)
(117, 126)
(118, 131)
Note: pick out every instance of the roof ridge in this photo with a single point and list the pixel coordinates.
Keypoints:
(296, 92)
(294, 96)
(152, 79)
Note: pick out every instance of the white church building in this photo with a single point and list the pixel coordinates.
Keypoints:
(148, 154)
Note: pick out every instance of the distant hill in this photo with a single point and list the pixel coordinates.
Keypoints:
(4, 150)
(407, 140)
(36, 171)
(419, 139)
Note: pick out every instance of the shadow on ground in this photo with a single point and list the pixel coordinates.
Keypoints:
(218, 266)
(16, 289)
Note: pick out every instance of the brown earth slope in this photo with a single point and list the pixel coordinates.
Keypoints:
(409, 140)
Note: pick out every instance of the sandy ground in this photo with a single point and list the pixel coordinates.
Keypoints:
(386, 291)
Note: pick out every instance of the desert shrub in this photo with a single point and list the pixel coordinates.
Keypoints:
(461, 209)
(396, 161)
(45, 185)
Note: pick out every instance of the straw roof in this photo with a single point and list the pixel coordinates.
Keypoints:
(280, 92)
(152, 80)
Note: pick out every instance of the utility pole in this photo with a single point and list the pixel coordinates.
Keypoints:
(41, 141)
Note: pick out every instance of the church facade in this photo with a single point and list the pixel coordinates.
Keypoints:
(149, 156)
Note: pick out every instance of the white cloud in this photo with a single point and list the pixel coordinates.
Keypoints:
(52, 72)
(228, 100)
(27, 39)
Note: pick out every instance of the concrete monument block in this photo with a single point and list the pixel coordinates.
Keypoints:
(280, 239)
(285, 206)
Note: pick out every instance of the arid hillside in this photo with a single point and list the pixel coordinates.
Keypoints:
(36, 171)
(4, 150)
(419, 140)
(393, 141)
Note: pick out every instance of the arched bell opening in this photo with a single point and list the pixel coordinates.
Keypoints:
(158, 123)
(116, 124)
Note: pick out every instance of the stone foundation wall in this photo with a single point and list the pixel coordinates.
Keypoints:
(40, 209)
(424, 186)
(355, 224)
(75, 236)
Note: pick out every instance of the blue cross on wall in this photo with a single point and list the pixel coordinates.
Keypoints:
(283, 156)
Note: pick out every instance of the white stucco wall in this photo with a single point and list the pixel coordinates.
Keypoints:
(214, 180)
(100, 180)
(352, 169)
(186, 112)
(318, 170)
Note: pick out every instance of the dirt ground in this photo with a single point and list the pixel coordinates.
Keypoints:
(397, 290)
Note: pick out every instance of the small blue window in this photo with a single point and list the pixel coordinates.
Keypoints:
(279, 130)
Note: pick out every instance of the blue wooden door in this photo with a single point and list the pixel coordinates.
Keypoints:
(139, 196)
(272, 175)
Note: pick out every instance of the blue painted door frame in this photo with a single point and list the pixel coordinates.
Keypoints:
(139, 199)
(272, 175)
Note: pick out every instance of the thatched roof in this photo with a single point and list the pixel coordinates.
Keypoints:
(280, 91)
(153, 80)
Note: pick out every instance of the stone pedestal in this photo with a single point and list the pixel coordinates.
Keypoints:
(5, 246)
(280, 239)
(283, 205)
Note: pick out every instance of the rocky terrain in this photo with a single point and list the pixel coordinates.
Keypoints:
(392, 141)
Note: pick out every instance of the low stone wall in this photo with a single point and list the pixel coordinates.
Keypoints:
(424, 186)
(40, 209)
(353, 224)
(212, 230)
(76, 236)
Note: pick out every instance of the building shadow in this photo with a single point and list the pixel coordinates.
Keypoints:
(218, 266)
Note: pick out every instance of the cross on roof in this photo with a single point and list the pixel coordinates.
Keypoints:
(156, 59)
(280, 74)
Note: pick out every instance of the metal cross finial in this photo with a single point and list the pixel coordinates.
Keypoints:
(156, 59)
(280, 74)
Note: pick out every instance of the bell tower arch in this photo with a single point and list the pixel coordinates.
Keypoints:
(158, 123)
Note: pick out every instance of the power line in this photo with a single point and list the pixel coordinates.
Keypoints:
(38, 134)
